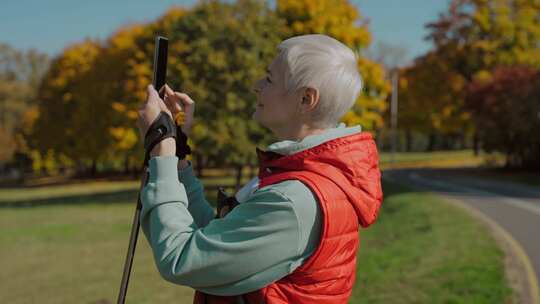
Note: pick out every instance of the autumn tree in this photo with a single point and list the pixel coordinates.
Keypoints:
(20, 74)
(341, 20)
(478, 35)
(89, 96)
(507, 114)
(471, 39)
(126, 67)
(66, 101)
(430, 101)
(222, 49)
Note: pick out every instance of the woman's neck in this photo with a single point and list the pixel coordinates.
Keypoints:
(297, 133)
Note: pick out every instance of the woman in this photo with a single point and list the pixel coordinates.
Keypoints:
(293, 238)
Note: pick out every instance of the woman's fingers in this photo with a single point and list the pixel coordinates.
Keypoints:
(168, 90)
(171, 100)
(162, 90)
(181, 106)
(180, 102)
(186, 100)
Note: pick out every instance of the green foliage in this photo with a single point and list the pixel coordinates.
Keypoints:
(224, 49)
(89, 97)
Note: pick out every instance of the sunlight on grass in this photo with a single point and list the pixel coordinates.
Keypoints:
(439, 159)
(419, 251)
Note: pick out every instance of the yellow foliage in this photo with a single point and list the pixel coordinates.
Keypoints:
(403, 83)
(36, 160)
(76, 59)
(374, 77)
(28, 119)
(337, 18)
(457, 82)
(118, 107)
(342, 21)
(482, 76)
(167, 20)
(112, 78)
(131, 114)
(447, 111)
(47, 161)
(67, 97)
(372, 102)
(125, 138)
(125, 37)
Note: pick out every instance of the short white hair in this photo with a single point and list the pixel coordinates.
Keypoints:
(323, 63)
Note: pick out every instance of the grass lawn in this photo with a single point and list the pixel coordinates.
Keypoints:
(439, 159)
(419, 251)
(422, 250)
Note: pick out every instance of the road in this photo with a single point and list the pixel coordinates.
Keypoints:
(515, 207)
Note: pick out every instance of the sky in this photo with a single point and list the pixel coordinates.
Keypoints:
(51, 25)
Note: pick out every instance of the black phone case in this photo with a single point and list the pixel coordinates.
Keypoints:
(160, 62)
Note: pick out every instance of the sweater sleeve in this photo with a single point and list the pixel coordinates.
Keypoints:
(199, 208)
(254, 245)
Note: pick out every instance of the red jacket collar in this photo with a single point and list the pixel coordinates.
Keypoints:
(351, 159)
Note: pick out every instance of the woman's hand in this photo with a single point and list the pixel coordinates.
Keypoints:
(180, 102)
(148, 112)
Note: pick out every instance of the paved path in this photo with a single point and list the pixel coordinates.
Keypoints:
(515, 207)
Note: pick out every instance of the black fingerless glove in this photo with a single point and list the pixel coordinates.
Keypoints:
(162, 127)
(182, 147)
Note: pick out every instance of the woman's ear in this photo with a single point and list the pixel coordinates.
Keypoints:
(310, 99)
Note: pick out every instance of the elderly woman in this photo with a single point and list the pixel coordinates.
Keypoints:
(293, 237)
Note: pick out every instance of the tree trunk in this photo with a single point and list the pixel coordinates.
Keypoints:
(238, 176)
(93, 170)
(476, 144)
(447, 142)
(408, 140)
(126, 164)
(134, 171)
(379, 139)
(431, 143)
(79, 168)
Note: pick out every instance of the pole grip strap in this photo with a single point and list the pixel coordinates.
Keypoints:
(161, 128)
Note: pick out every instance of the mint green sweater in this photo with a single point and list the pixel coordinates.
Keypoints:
(272, 232)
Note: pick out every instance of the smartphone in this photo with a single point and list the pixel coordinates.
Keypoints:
(160, 62)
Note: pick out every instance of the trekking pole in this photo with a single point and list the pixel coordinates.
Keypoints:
(132, 244)
(160, 69)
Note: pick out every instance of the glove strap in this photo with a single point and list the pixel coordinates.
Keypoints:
(161, 128)
(182, 148)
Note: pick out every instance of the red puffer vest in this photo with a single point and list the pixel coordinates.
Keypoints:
(344, 175)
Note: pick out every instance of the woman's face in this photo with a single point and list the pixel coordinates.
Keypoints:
(275, 109)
